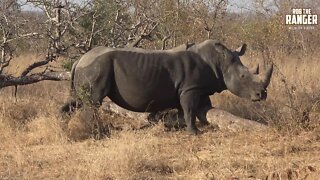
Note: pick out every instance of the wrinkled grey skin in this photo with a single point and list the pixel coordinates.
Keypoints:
(150, 81)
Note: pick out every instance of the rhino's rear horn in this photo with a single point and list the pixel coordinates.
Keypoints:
(255, 69)
(266, 77)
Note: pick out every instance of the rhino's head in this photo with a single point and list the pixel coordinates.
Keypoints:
(240, 80)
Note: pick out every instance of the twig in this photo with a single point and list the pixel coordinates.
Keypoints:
(37, 64)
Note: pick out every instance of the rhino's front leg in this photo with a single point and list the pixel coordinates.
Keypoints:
(204, 107)
(189, 103)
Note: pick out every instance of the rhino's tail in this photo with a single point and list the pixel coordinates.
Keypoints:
(73, 102)
(73, 69)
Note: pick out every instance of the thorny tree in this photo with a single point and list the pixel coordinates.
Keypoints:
(67, 29)
(16, 26)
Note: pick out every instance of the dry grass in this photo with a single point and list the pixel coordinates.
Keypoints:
(35, 144)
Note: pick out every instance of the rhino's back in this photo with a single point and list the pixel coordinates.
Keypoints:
(91, 56)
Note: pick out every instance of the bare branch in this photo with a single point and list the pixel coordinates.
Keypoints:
(6, 57)
(164, 41)
(93, 26)
(37, 64)
(6, 80)
(144, 35)
(20, 36)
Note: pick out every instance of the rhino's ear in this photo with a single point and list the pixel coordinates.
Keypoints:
(220, 48)
(241, 50)
(189, 45)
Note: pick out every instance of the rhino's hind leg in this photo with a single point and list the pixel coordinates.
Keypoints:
(91, 112)
(179, 121)
(89, 118)
(90, 123)
(172, 119)
(153, 118)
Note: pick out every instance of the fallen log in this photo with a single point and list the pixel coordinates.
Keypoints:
(226, 120)
(8, 80)
(217, 117)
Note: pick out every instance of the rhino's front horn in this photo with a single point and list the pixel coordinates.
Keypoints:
(266, 77)
(241, 50)
(255, 69)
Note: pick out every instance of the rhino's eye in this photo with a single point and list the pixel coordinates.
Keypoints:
(242, 75)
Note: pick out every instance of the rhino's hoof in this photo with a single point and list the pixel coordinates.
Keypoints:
(193, 130)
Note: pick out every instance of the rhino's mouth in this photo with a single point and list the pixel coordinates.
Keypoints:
(256, 100)
(262, 96)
